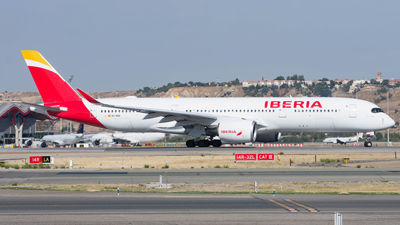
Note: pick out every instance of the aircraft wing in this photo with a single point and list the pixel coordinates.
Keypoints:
(196, 117)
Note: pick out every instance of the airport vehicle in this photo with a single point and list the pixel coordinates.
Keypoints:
(233, 120)
(62, 139)
(343, 140)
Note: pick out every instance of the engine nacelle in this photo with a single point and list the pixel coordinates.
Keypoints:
(268, 137)
(43, 144)
(241, 131)
(28, 143)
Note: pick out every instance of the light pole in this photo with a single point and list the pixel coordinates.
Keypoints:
(387, 98)
(70, 123)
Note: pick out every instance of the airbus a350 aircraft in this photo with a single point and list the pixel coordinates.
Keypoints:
(343, 140)
(233, 120)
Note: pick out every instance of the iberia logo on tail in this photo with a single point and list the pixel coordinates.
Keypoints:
(239, 133)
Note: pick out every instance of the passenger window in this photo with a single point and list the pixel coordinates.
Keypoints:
(224, 110)
(328, 110)
(302, 110)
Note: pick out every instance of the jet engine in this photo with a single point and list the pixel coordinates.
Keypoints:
(268, 137)
(43, 144)
(96, 142)
(241, 131)
(28, 143)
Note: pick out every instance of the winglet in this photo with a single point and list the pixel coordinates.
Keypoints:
(87, 97)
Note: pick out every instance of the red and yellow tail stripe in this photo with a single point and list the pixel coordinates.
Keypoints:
(35, 59)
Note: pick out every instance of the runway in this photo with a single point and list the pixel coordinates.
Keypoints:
(43, 207)
(63, 176)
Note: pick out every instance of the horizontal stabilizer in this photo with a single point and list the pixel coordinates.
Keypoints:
(87, 97)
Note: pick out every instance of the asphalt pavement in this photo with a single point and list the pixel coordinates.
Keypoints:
(46, 207)
(81, 176)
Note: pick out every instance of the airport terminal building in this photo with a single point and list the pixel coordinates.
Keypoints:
(18, 122)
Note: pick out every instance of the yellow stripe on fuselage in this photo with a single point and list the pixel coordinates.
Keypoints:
(34, 56)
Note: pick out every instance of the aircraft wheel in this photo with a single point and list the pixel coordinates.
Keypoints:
(190, 143)
(216, 143)
(203, 143)
(367, 144)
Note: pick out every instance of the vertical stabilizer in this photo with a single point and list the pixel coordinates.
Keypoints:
(52, 87)
(80, 129)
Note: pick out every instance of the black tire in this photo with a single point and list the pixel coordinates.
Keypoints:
(190, 143)
(216, 143)
(203, 143)
(369, 144)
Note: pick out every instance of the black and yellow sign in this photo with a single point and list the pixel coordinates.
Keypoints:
(346, 160)
(46, 159)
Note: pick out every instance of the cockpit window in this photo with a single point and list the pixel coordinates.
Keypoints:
(376, 110)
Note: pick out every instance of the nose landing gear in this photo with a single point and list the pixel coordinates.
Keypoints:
(367, 144)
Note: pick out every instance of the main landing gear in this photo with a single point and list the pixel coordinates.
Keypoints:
(203, 143)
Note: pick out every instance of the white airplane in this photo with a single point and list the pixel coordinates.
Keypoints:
(343, 140)
(62, 139)
(233, 120)
(131, 138)
(102, 138)
(138, 138)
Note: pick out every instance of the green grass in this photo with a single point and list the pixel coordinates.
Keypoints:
(165, 167)
(329, 160)
(217, 166)
(146, 166)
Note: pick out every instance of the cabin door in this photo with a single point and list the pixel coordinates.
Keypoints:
(353, 111)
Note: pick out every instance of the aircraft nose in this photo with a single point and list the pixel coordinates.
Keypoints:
(391, 122)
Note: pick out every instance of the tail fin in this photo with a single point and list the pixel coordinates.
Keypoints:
(360, 136)
(80, 129)
(52, 87)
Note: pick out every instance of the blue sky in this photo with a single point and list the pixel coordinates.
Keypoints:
(126, 45)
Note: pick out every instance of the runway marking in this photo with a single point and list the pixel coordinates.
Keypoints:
(290, 209)
(301, 205)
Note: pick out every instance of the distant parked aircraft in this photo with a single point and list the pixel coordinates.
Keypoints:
(130, 138)
(343, 140)
(62, 139)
